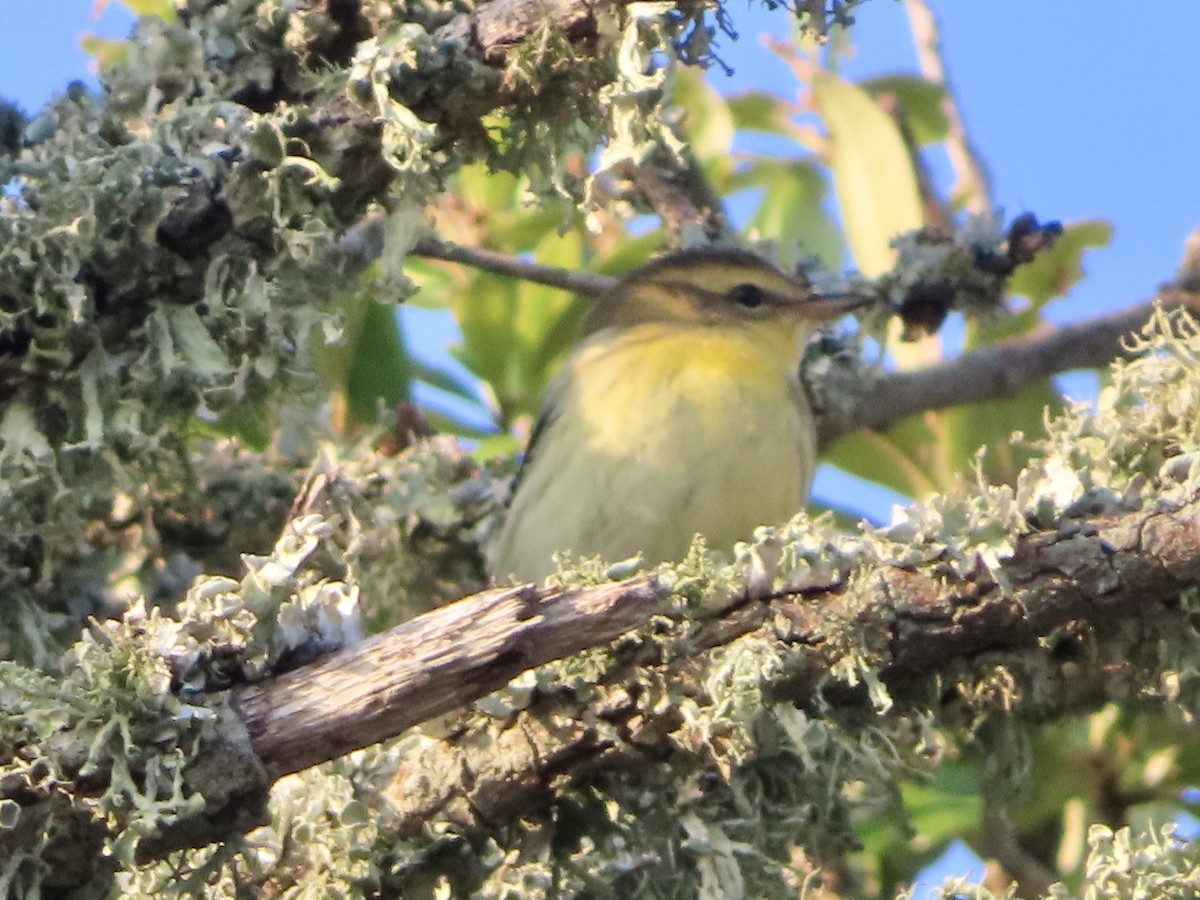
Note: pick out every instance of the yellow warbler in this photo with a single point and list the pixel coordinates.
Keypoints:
(679, 412)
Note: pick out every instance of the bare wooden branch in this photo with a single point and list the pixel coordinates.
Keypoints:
(432, 664)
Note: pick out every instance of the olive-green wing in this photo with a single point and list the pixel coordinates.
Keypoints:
(549, 412)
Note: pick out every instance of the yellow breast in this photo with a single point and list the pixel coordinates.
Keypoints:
(659, 432)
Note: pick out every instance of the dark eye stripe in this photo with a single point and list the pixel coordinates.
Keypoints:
(748, 295)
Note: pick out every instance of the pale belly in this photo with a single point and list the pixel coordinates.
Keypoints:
(655, 452)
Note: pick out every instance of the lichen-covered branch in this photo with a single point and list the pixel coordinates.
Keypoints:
(170, 252)
(680, 196)
(757, 685)
(1110, 582)
(999, 370)
(1075, 604)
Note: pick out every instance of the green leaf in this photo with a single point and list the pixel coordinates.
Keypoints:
(494, 190)
(630, 253)
(922, 101)
(549, 318)
(992, 424)
(933, 451)
(485, 313)
(497, 446)
(901, 458)
(517, 232)
(444, 380)
(1055, 271)
(930, 812)
(249, 424)
(445, 421)
(162, 9)
(947, 805)
(368, 362)
(436, 282)
(709, 123)
(792, 210)
(380, 368)
(515, 334)
(760, 111)
(872, 172)
(108, 52)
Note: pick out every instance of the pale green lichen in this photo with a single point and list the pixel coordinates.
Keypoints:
(1138, 445)
(174, 245)
(111, 717)
(324, 840)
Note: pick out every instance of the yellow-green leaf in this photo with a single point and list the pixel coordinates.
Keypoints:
(380, 370)
(792, 211)
(760, 111)
(162, 9)
(708, 123)
(903, 458)
(872, 172)
(108, 52)
(1055, 271)
(922, 101)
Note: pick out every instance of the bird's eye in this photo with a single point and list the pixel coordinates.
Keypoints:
(748, 295)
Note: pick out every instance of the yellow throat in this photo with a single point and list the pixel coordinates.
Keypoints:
(679, 413)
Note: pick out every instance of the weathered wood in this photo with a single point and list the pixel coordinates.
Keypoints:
(432, 664)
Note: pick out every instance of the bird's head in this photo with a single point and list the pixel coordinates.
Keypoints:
(717, 286)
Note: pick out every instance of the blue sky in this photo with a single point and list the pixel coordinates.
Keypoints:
(1080, 111)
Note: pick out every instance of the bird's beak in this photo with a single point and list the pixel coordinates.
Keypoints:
(823, 307)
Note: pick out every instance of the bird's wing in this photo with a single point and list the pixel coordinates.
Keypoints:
(549, 412)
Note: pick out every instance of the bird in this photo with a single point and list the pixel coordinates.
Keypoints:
(679, 412)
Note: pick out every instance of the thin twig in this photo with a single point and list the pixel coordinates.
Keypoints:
(683, 199)
(1001, 840)
(589, 284)
(973, 180)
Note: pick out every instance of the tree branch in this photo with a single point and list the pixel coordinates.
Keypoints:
(588, 284)
(1000, 370)
(1126, 573)
(973, 181)
(1109, 583)
(683, 199)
